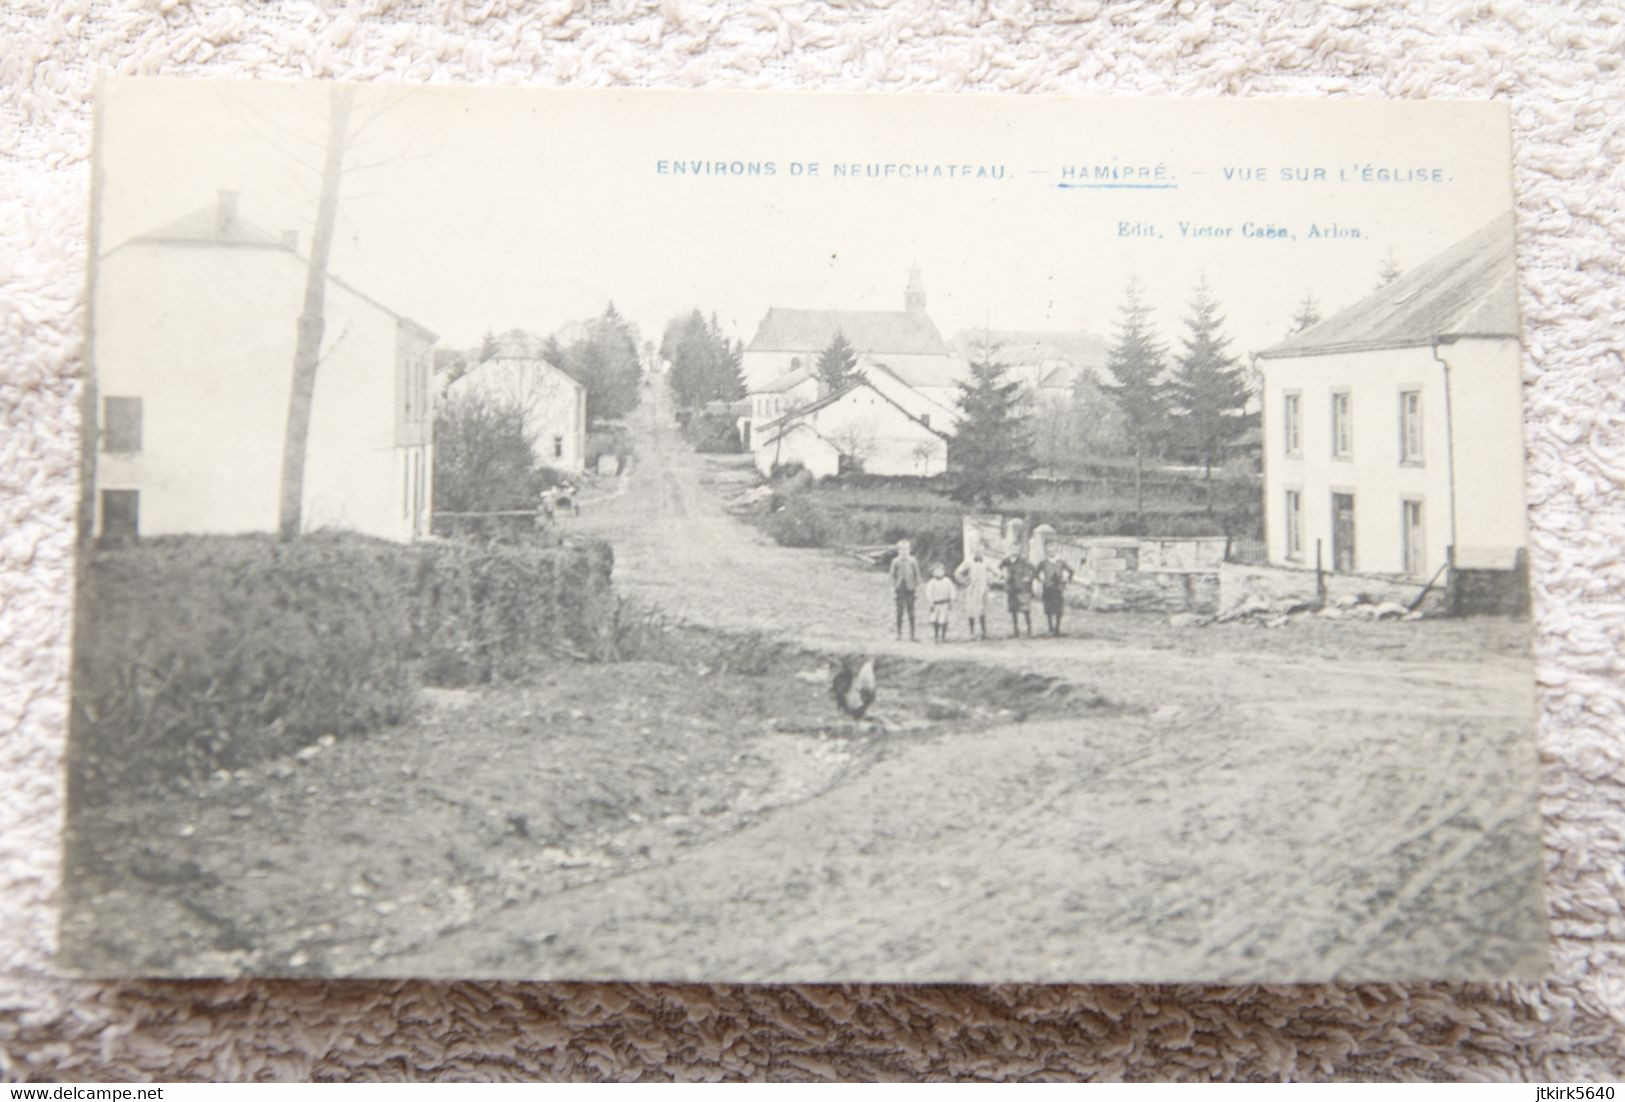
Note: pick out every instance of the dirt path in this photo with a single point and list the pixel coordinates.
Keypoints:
(1331, 801)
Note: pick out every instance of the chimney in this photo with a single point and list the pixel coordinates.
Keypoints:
(225, 214)
(290, 240)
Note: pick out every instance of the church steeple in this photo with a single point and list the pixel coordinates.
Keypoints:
(914, 296)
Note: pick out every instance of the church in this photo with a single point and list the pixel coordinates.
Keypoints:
(905, 340)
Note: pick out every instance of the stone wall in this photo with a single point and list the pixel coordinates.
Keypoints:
(1282, 589)
(1113, 573)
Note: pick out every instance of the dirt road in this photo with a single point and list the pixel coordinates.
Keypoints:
(1315, 802)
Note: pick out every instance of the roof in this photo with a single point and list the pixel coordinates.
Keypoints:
(211, 226)
(790, 420)
(870, 363)
(942, 376)
(811, 331)
(513, 362)
(1468, 290)
(205, 224)
(788, 381)
(1064, 377)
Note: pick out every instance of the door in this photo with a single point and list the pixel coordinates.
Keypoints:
(1343, 533)
(1415, 549)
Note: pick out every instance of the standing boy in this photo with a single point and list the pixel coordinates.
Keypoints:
(905, 580)
(1018, 591)
(1052, 578)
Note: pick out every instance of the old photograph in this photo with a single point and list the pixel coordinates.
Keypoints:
(645, 535)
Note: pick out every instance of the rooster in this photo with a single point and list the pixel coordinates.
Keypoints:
(854, 692)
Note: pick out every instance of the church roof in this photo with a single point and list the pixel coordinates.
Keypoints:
(908, 332)
(1468, 290)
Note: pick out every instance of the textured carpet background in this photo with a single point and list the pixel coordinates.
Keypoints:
(1560, 66)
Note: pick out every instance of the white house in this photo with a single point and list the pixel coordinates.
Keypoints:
(193, 347)
(552, 402)
(776, 397)
(1393, 431)
(862, 426)
(788, 340)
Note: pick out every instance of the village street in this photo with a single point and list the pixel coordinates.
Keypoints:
(1329, 799)
(1323, 800)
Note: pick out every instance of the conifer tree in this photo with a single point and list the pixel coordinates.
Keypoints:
(990, 455)
(1209, 388)
(1136, 361)
(837, 364)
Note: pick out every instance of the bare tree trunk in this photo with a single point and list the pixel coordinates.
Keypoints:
(312, 319)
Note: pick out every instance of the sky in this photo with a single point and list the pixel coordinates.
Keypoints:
(486, 209)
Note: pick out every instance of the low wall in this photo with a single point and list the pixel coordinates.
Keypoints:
(1245, 587)
(1114, 573)
(1486, 590)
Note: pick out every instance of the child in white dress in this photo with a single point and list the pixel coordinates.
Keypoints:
(939, 599)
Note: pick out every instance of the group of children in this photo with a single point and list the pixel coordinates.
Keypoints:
(970, 587)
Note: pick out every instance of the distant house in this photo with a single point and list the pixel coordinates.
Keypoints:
(552, 402)
(1047, 364)
(867, 426)
(1393, 431)
(194, 331)
(788, 340)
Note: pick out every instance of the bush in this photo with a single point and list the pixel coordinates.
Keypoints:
(800, 523)
(199, 653)
(193, 654)
(716, 433)
(487, 613)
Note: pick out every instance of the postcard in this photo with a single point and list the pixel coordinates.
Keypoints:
(643, 535)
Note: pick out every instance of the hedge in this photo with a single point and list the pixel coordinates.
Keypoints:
(199, 653)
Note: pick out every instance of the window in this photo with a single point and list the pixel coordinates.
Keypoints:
(1415, 547)
(121, 424)
(121, 513)
(1294, 524)
(1410, 426)
(1292, 422)
(1342, 433)
(558, 447)
(925, 419)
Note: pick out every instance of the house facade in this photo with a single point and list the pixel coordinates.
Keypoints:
(552, 402)
(1392, 431)
(194, 334)
(861, 427)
